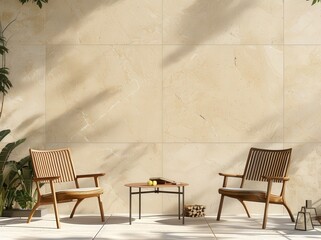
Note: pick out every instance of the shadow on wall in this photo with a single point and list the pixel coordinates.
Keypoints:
(215, 15)
(80, 12)
(22, 15)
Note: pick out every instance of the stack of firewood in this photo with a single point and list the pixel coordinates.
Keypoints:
(194, 210)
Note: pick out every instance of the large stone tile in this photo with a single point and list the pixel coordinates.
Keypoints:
(155, 227)
(301, 22)
(104, 21)
(28, 22)
(24, 107)
(241, 227)
(223, 22)
(302, 94)
(122, 163)
(304, 173)
(223, 94)
(80, 227)
(199, 165)
(104, 94)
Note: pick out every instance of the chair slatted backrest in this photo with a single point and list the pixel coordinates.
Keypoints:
(52, 163)
(264, 162)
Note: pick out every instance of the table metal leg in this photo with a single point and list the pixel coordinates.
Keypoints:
(130, 205)
(140, 202)
(179, 202)
(183, 205)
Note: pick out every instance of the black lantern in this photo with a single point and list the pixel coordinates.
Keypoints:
(304, 220)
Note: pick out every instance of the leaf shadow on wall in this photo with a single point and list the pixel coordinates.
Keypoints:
(79, 16)
(25, 86)
(215, 15)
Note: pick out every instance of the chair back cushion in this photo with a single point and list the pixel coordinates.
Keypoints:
(264, 162)
(52, 163)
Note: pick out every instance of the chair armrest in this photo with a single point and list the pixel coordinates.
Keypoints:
(226, 176)
(277, 178)
(95, 176)
(46, 178)
(231, 175)
(90, 175)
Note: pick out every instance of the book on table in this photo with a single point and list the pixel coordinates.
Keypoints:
(161, 180)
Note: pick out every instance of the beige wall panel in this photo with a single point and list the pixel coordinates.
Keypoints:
(104, 21)
(199, 165)
(28, 25)
(122, 163)
(301, 22)
(223, 22)
(223, 93)
(302, 83)
(103, 93)
(305, 176)
(24, 108)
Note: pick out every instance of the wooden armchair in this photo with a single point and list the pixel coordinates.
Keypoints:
(55, 166)
(265, 166)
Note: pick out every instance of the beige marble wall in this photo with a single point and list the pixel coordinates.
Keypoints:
(173, 88)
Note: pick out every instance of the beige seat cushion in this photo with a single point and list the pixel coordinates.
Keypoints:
(75, 193)
(248, 194)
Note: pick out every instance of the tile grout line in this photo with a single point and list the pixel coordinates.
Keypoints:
(283, 68)
(194, 142)
(210, 228)
(162, 76)
(101, 227)
(167, 44)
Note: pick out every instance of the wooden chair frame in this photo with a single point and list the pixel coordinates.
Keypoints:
(56, 166)
(262, 165)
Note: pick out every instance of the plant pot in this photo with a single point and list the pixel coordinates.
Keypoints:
(23, 212)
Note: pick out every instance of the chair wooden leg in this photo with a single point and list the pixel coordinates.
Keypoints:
(74, 209)
(56, 214)
(33, 211)
(220, 208)
(265, 215)
(267, 202)
(247, 212)
(101, 208)
(55, 203)
(289, 211)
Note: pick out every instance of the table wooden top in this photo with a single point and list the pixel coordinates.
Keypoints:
(145, 185)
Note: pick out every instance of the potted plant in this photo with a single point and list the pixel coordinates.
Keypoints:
(15, 180)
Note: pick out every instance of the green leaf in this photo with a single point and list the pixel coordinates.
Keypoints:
(4, 133)
(3, 50)
(38, 2)
(6, 151)
(3, 42)
(4, 70)
(23, 162)
(23, 197)
(7, 169)
(5, 83)
(314, 1)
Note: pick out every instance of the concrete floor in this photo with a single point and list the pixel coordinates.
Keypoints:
(153, 227)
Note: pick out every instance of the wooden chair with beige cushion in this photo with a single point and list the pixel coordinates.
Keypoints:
(56, 166)
(264, 166)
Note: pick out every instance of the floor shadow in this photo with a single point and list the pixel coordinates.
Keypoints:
(85, 220)
(11, 221)
(171, 221)
(118, 220)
